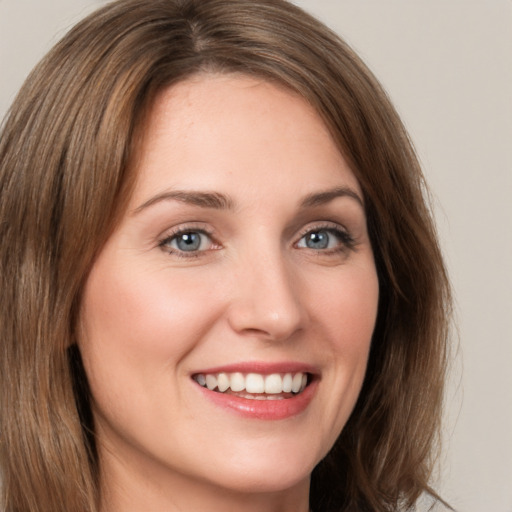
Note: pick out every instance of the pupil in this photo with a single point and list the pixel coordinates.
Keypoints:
(189, 242)
(318, 240)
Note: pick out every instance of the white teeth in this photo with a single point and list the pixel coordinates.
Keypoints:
(222, 382)
(296, 382)
(211, 382)
(255, 383)
(273, 384)
(287, 383)
(237, 382)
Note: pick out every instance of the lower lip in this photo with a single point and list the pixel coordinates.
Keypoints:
(263, 409)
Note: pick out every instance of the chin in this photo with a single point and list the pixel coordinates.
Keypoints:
(267, 469)
(265, 481)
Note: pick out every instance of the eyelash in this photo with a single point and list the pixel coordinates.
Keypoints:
(163, 244)
(347, 242)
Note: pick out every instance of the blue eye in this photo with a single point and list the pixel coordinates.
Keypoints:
(325, 238)
(187, 241)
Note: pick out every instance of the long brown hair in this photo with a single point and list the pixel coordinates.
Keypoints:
(67, 156)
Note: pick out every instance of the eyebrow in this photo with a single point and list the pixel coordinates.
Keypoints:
(220, 201)
(321, 198)
(213, 200)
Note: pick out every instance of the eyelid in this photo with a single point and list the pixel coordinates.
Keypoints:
(322, 224)
(191, 227)
(347, 240)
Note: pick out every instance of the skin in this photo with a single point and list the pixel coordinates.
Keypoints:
(152, 315)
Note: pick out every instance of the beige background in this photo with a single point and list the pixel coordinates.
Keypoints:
(447, 64)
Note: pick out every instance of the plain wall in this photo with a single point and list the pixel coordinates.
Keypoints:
(447, 65)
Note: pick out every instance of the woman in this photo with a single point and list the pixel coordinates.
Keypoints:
(222, 288)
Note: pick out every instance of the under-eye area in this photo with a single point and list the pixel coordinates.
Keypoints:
(256, 386)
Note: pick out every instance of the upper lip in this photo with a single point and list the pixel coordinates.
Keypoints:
(263, 368)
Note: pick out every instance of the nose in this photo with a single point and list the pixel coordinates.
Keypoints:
(267, 302)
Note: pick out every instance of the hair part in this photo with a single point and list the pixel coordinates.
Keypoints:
(68, 155)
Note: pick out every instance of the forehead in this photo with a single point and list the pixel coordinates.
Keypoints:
(231, 131)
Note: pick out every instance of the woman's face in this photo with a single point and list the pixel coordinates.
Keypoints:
(243, 261)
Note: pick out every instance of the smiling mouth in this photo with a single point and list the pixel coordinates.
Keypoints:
(255, 386)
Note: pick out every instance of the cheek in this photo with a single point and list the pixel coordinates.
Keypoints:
(142, 312)
(348, 308)
(348, 315)
(137, 326)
